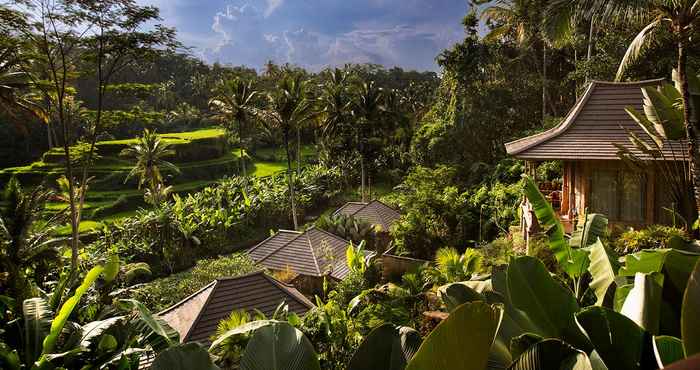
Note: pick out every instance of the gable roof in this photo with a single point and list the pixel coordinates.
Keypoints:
(197, 316)
(597, 121)
(374, 212)
(314, 252)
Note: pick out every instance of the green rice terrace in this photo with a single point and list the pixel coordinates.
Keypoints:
(202, 156)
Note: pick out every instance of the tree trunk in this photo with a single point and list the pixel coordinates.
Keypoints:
(589, 52)
(290, 182)
(240, 140)
(362, 167)
(298, 151)
(691, 128)
(544, 82)
(48, 134)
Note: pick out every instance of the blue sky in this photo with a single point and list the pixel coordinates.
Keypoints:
(316, 33)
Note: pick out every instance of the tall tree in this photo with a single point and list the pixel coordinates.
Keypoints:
(233, 102)
(521, 20)
(103, 37)
(289, 108)
(368, 110)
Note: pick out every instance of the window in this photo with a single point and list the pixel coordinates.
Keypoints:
(618, 194)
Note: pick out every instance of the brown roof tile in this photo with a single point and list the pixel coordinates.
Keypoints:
(198, 318)
(593, 126)
(374, 212)
(314, 252)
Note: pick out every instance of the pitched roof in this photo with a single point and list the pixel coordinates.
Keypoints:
(314, 252)
(374, 212)
(593, 126)
(197, 316)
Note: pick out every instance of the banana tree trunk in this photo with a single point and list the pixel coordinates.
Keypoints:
(691, 128)
(290, 179)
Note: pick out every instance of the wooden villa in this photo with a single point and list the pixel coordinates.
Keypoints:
(595, 179)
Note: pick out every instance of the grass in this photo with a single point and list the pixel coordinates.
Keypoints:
(85, 226)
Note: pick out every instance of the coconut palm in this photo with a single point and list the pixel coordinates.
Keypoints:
(25, 248)
(521, 20)
(149, 152)
(334, 102)
(289, 108)
(233, 102)
(368, 110)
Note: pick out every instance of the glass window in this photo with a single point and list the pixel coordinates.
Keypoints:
(619, 195)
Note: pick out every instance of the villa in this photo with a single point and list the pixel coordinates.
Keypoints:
(595, 178)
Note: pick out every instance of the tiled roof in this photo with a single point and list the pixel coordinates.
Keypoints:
(593, 126)
(374, 212)
(197, 316)
(313, 253)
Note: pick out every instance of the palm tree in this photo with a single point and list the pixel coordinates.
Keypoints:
(24, 247)
(289, 108)
(522, 20)
(367, 109)
(149, 152)
(234, 101)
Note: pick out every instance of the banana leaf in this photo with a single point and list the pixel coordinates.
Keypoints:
(667, 350)
(552, 354)
(386, 347)
(690, 317)
(37, 325)
(187, 356)
(462, 341)
(603, 269)
(279, 346)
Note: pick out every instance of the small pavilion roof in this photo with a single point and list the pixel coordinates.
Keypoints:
(374, 212)
(314, 252)
(594, 125)
(197, 316)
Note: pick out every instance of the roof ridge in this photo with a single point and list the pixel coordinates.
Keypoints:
(182, 301)
(282, 246)
(329, 233)
(624, 83)
(199, 314)
(313, 253)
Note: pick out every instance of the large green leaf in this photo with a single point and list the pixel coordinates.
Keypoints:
(37, 324)
(676, 266)
(603, 269)
(690, 317)
(66, 309)
(386, 347)
(593, 227)
(155, 330)
(621, 343)
(554, 230)
(9, 358)
(240, 331)
(551, 354)
(94, 329)
(184, 357)
(548, 305)
(643, 303)
(456, 294)
(460, 342)
(667, 350)
(279, 346)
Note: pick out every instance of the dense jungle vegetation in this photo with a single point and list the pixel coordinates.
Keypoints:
(134, 174)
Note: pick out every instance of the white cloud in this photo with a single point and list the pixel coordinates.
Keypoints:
(272, 5)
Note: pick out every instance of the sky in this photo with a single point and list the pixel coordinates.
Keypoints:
(316, 33)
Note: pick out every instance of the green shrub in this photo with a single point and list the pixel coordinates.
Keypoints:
(162, 293)
(651, 237)
(498, 252)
